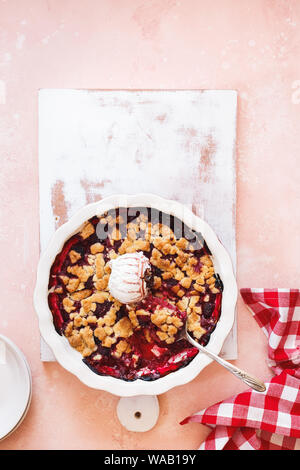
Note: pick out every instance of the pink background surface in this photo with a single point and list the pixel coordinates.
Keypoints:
(252, 46)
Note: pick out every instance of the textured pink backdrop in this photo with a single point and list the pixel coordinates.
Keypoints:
(252, 46)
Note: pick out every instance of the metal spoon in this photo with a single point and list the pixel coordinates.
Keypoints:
(240, 374)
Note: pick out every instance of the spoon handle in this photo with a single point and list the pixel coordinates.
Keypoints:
(239, 373)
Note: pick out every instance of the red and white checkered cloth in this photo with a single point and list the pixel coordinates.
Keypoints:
(270, 420)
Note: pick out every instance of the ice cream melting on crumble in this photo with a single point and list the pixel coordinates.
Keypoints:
(128, 278)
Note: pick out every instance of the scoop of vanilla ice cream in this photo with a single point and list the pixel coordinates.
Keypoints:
(126, 282)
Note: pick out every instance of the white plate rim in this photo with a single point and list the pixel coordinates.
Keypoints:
(23, 359)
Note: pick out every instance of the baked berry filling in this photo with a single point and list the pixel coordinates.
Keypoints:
(140, 340)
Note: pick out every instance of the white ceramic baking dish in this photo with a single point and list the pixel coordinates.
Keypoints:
(71, 359)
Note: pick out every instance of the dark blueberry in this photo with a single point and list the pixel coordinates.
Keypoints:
(117, 244)
(132, 214)
(156, 271)
(207, 309)
(89, 283)
(150, 377)
(97, 341)
(219, 283)
(94, 220)
(79, 248)
(206, 249)
(143, 319)
(171, 282)
(205, 339)
(102, 309)
(123, 312)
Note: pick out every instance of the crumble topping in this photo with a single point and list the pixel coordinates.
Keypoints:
(74, 256)
(82, 340)
(97, 248)
(167, 322)
(87, 230)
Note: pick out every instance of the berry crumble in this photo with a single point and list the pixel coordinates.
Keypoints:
(138, 340)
